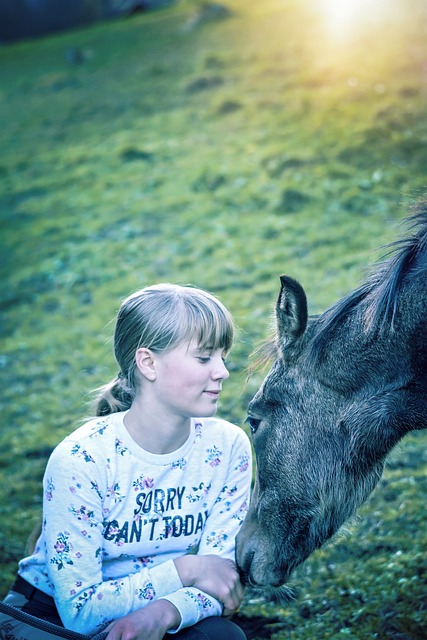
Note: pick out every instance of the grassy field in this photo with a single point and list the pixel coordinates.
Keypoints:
(220, 153)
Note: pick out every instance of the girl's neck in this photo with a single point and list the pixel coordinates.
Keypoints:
(153, 432)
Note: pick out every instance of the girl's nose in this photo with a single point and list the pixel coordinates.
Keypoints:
(220, 371)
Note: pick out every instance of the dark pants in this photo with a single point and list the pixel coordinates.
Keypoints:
(28, 614)
(210, 629)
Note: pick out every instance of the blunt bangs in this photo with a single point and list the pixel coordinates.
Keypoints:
(211, 325)
(198, 315)
(167, 315)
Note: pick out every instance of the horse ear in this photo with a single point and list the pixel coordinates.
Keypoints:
(291, 311)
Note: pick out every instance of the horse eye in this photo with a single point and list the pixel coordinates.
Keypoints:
(253, 423)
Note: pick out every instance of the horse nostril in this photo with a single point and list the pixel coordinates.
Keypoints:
(243, 575)
(244, 554)
(244, 569)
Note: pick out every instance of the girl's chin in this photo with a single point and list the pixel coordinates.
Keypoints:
(208, 412)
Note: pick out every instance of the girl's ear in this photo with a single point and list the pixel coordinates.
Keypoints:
(145, 363)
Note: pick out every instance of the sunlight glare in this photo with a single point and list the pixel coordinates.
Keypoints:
(343, 16)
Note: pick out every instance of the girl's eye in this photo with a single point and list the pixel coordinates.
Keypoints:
(203, 359)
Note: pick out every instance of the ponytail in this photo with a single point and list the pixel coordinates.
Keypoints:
(114, 396)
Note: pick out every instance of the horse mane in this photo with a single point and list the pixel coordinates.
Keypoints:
(379, 294)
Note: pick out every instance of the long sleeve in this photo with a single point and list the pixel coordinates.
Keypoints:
(220, 529)
(115, 517)
(74, 538)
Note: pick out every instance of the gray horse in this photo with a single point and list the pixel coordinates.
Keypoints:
(344, 388)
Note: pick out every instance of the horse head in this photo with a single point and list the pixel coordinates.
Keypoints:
(344, 388)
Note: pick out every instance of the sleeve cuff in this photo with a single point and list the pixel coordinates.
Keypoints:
(187, 610)
(192, 605)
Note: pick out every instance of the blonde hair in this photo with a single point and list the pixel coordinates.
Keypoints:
(161, 317)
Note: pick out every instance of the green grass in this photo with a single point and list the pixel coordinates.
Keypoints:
(221, 156)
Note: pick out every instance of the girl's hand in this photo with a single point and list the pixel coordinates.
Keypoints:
(149, 623)
(214, 575)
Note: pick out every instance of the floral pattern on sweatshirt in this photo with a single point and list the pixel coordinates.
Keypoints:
(115, 518)
(214, 456)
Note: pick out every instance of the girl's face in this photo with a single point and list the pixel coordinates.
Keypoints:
(188, 380)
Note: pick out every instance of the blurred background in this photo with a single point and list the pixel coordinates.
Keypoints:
(217, 144)
(20, 19)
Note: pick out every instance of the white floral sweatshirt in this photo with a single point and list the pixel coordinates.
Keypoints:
(115, 516)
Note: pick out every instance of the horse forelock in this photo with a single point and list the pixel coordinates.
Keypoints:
(376, 300)
(263, 356)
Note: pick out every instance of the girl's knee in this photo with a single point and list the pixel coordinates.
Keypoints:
(216, 629)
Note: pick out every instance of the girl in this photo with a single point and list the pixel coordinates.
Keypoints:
(142, 504)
